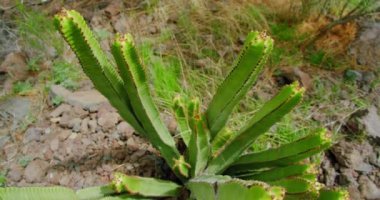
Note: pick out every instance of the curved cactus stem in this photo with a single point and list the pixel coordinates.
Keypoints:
(294, 185)
(277, 173)
(293, 148)
(223, 137)
(244, 74)
(95, 63)
(255, 128)
(198, 151)
(37, 193)
(146, 187)
(134, 76)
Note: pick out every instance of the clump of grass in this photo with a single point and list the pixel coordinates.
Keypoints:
(22, 87)
(37, 33)
(65, 74)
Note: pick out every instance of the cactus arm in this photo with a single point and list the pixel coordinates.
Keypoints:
(95, 63)
(294, 185)
(226, 188)
(37, 193)
(244, 74)
(293, 148)
(146, 187)
(181, 115)
(248, 135)
(199, 146)
(277, 173)
(220, 140)
(333, 194)
(198, 150)
(125, 197)
(134, 77)
(241, 168)
(97, 192)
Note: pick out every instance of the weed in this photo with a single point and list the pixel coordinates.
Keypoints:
(33, 64)
(65, 74)
(283, 32)
(57, 100)
(22, 87)
(3, 179)
(37, 33)
(24, 161)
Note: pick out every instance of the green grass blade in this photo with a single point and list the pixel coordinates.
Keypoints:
(37, 193)
(277, 173)
(146, 187)
(293, 148)
(95, 63)
(242, 77)
(136, 85)
(181, 115)
(248, 135)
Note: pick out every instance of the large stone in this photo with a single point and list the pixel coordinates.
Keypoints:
(15, 173)
(15, 65)
(353, 155)
(368, 189)
(89, 100)
(372, 123)
(36, 171)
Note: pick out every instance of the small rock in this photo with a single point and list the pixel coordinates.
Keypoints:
(35, 171)
(15, 173)
(368, 189)
(84, 125)
(354, 193)
(64, 134)
(54, 144)
(347, 177)
(79, 112)
(10, 151)
(59, 91)
(132, 145)
(74, 124)
(92, 124)
(15, 65)
(60, 110)
(125, 129)
(32, 134)
(53, 177)
(65, 120)
(108, 120)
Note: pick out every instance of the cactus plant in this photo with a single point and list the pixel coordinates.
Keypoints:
(215, 164)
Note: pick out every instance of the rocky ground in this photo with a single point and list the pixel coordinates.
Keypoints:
(77, 144)
(83, 140)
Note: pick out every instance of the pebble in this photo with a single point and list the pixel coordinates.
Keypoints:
(54, 144)
(63, 108)
(10, 151)
(35, 171)
(108, 120)
(15, 173)
(32, 134)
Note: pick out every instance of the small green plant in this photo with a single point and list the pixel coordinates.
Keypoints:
(215, 163)
(65, 74)
(22, 87)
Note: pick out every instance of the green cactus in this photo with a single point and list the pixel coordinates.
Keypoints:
(215, 164)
